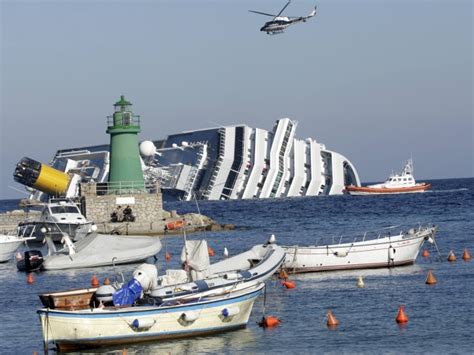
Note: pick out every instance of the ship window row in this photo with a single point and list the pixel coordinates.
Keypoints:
(400, 179)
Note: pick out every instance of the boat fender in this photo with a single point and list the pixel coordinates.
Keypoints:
(232, 276)
(104, 293)
(230, 312)
(412, 231)
(189, 316)
(341, 254)
(143, 324)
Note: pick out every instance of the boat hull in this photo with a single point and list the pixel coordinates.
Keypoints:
(9, 245)
(382, 252)
(7, 249)
(356, 190)
(115, 326)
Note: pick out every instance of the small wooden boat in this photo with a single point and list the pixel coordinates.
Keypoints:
(109, 326)
(383, 249)
(72, 299)
(395, 184)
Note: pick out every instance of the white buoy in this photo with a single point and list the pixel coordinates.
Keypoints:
(189, 316)
(360, 282)
(143, 323)
(272, 239)
(230, 312)
(226, 253)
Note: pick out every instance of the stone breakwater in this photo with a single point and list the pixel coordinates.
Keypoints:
(169, 223)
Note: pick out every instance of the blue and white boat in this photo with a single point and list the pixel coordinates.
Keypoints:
(110, 326)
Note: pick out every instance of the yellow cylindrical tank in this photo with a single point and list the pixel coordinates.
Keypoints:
(42, 177)
(51, 181)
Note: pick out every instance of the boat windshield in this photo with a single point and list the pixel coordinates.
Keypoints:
(64, 209)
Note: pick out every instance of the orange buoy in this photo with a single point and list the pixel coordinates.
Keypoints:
(466, 256)
(269, 321)
(289, 284)
(167, 257)
(332, 321)
(425, 253)
(106, 281)
(94, 281)
(401, 316)
(125, 351)
(29, 278)
(282, 274)
(430, 279)
(451, 256)
(211, 251)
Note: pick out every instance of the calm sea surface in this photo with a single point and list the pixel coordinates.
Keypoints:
(441, 316)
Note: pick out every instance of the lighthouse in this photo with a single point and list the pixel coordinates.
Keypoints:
(125, 173)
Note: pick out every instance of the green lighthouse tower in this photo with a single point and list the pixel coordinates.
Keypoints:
(125, 173)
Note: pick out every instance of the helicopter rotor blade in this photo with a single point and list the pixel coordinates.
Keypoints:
(284, 7)
(262, 13)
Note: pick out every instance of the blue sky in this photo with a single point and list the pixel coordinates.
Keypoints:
(377, 81)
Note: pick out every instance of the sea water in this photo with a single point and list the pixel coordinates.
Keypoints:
(440, 316)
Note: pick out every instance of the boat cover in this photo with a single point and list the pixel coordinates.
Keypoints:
(128, 294)
(196, 256)
(103, 249)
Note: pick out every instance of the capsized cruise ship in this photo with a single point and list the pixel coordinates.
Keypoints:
(230, 162)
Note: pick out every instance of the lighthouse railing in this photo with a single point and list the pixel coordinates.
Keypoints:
(127, 187)
(124, 121)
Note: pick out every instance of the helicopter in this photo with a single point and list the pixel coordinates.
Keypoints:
(279, 23)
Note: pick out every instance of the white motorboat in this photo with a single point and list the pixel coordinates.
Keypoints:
(9, 244)
(108, 326)
(57, 217)
(395, 184)
(381, 249)
(94, 250)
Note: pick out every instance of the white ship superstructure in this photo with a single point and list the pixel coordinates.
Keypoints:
(231, 162)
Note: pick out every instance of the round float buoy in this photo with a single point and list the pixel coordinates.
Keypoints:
(289, 284)
(167, 257)
(211, 251)
(451, 256)
(430, 279)
(269, 322)
(466, 256)
(94, 281)
(29, 278)
(401, 316)
(425, 253)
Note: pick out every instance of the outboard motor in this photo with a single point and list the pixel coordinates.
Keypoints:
(33, 260)
(147, 276)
